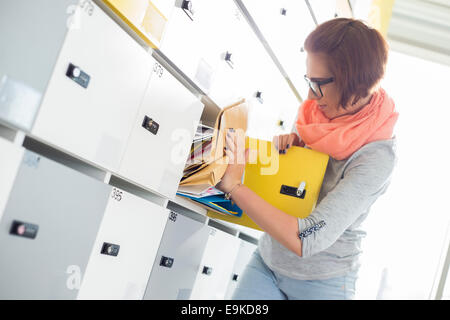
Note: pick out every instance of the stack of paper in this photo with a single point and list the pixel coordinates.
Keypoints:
(207, 161)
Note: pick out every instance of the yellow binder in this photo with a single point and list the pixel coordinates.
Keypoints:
(291, 182)
(143, 17)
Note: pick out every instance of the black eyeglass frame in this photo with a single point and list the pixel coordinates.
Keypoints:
(319, 83)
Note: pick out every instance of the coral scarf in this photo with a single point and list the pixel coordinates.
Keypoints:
(344, 135)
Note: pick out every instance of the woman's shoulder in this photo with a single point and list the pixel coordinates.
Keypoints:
(376, 155)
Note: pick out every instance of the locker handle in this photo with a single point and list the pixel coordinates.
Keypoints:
(228, 60)
(150, 125)
(283, 11)
(79, 76)
(186, 5)
(235, 277)
(110, 249)
(24, 229)
(166, 262)
(207, 270)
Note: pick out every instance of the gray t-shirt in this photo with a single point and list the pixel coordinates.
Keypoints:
(331, 235)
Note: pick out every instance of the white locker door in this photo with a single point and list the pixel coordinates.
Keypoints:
(10, 160)
(124, 251)
(244, 255)
(178, 260)
(161, 139)
(186, 44)
(95, 90)
(230, 81)
(276, 102)
(216, 266)
(199, 42)
(290, 24)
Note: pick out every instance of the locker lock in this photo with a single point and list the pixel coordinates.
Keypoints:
(79, 76)
(150, 124)
(258, 96)
(166, 262)
(207, 270)
(235, 277)
(228, 59)
(186, 5)
(23, 229)
(110, 249)
(283, 11)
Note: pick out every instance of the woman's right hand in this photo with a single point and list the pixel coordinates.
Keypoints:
(284, 141)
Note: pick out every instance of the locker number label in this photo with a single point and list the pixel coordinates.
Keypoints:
(117, 194)
(87, 6)
(172, 216)
(158, 69)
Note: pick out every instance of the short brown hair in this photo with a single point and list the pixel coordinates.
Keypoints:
(356, 54)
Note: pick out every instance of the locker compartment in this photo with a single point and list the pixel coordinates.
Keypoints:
(48, 229)
(95, 90)
(272, 100)
(245, 252)
(10, 159)
(290, 24)
(216, 267)
(126, 245)
(147, 18)
(178, 259)
(31, 40)
(199, 42)
(162, 134)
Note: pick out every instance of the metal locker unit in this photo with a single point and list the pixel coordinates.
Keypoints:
(271, 97)
(216, 267)
(244, 255)
(48, 229)
(164, 128)
(95, 89)
(31, 33)
(290, 23)
(10, 159)
(211, 61)
(178, 259)
(125, 248)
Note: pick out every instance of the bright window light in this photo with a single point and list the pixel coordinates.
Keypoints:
(407, 225)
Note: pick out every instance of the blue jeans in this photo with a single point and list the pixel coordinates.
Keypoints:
(258, 282)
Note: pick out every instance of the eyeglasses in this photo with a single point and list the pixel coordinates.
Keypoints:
(315, 85)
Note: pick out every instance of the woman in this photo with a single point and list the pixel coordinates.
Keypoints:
(350, 118)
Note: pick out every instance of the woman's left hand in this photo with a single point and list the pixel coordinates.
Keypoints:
(237, 155)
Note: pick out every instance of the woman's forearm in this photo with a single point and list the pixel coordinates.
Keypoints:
(278, 224)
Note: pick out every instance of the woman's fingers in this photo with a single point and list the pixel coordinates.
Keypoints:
(290, 141)
(235, 147)
(275, 142)
(282, 143)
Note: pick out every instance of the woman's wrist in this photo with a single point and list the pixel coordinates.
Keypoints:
(232, 190)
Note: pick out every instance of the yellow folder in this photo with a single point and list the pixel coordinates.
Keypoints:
(143, 17)
(290, 182)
